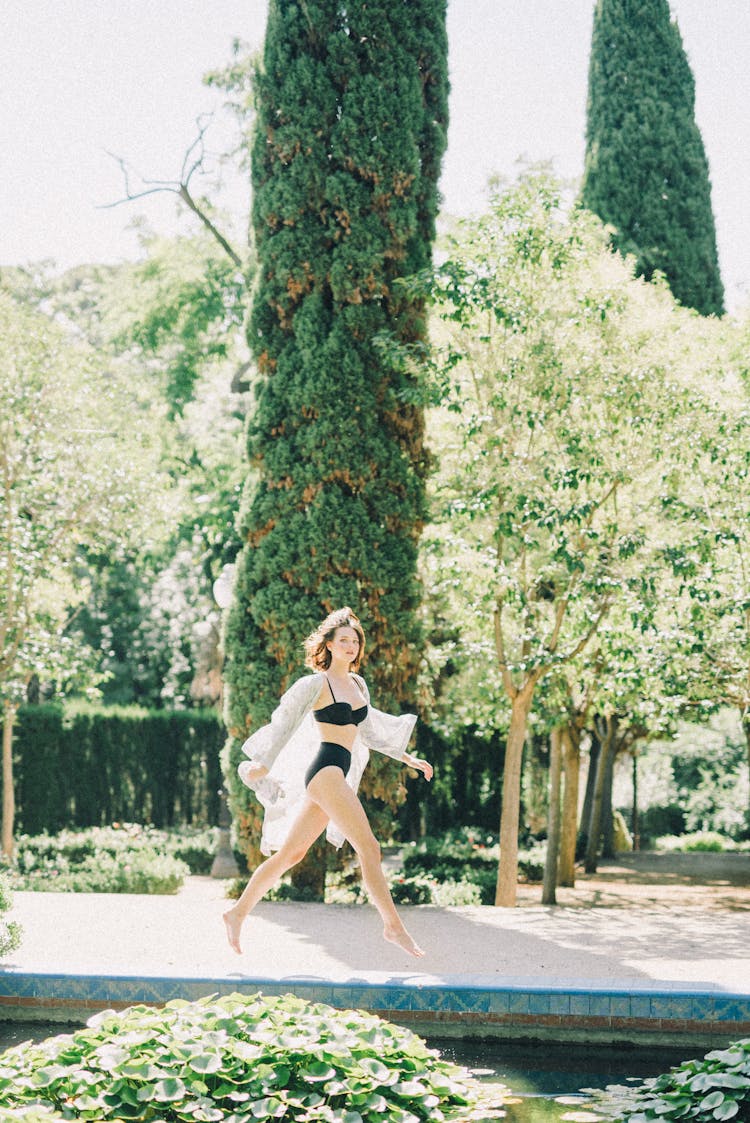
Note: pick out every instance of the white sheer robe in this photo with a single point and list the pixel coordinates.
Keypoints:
(287, 745)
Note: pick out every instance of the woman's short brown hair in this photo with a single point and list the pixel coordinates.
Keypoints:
(317, 654)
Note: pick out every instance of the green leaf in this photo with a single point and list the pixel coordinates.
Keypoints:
(712, 1100)
(205, 1062)
(169, 1090)
(318, 1070)
(726, 1110)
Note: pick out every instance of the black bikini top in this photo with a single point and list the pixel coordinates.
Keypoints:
(340, 713)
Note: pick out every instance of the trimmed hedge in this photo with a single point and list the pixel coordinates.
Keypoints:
(84, 766)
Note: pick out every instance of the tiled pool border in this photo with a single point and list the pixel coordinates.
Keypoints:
(466, 1006)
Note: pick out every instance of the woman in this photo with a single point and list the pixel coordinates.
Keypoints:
(305, 791)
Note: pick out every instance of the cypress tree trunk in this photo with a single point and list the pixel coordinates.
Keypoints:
(351, 127)
(646, 171)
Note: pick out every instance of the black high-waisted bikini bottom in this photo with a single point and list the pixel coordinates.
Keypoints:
(329, 754)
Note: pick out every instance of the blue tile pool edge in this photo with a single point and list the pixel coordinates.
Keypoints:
(462, 1001)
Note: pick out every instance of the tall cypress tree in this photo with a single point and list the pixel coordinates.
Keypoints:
(646, 170)
(350, 130)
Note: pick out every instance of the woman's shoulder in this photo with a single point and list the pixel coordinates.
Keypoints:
(306, 684)
(361, 683)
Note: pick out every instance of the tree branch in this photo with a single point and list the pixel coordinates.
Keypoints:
(510, 689)
(180, 187)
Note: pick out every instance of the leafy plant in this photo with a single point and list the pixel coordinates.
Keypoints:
(242, 1059)
(696, 840)
(124, 858)
(466, 857)
(10, 931)
(716, 1087)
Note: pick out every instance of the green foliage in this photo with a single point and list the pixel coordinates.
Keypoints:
(703, 774)
(73, 477)
(710, 841)
(436, 868)
(144, 610)
(182, 309)
(125, 858)
(646, 169)
(243, 1059)
(717, 1087)
(351, 126)
(10, 930)
(84, 766)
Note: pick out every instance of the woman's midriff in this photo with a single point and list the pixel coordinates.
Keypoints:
(344, 735)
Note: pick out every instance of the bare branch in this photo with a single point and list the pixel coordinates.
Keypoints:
(181, 187)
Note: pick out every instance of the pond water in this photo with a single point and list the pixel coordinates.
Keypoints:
(546, 1079)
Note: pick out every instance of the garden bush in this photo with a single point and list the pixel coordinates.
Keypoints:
(241, 1059)
(709, 841)
(716, 1087)
(467, 856)
(124, 858)
(10, 931)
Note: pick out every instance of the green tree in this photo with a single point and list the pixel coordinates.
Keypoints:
(171, 327)
(71, 476)
(556, 372)
(646, 172)
(351, 126)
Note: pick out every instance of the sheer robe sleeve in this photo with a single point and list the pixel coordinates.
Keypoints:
(385, 733)
(265, 745)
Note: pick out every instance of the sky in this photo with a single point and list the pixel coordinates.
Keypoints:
(83, 79)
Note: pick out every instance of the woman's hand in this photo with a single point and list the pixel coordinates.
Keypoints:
(251, 773)
(418, 765)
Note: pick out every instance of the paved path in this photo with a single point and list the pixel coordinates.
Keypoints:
(184, 936)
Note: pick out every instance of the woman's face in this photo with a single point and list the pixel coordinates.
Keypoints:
(344, 645)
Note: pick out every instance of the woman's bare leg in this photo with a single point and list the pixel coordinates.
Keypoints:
(309, 824)
(340, 804)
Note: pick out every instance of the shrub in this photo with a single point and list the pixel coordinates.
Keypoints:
(10, 931)
(714, 1088)
(241, 1058)
(412, 890)
(698, 840)
(120, 859)
(468, 856)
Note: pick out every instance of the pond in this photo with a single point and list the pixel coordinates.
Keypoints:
(548, 1079)
(545, 1079)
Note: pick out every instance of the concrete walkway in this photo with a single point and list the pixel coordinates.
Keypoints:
(558, 972)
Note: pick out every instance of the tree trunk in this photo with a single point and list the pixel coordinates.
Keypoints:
(745, 719)
(571, 754)
(553, 819)
(507, 872)
(9, 804)
(588, 798)
(608, 822)
(634, 825)
(595, 825)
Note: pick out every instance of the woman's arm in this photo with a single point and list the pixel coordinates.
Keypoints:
(418, 765)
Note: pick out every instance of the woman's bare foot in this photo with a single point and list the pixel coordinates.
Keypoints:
(402, 939)
(233, 924)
